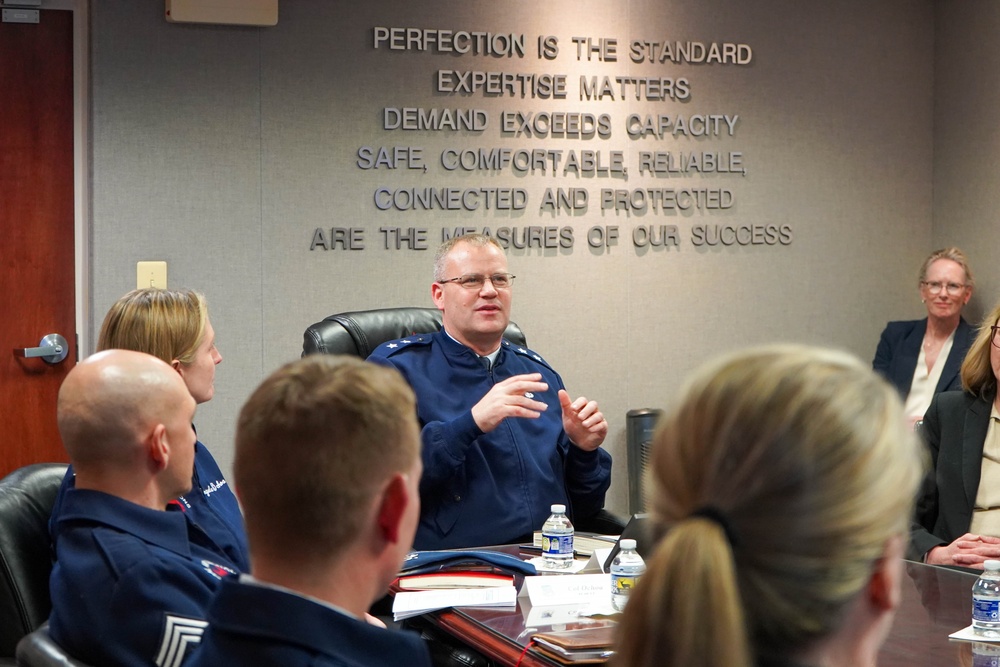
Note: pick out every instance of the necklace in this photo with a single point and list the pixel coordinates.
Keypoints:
(931, 344)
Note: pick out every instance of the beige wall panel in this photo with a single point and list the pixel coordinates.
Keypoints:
(221, 150)
(967, 140)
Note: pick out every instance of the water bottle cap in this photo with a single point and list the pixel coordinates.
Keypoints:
(991, 565)
(627, 544)
(561, 509)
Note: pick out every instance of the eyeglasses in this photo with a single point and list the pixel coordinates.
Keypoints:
(995, 339)
(476, 280)
(936, 287)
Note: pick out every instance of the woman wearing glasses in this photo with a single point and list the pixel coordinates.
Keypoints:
(958, 512)
(922, 357)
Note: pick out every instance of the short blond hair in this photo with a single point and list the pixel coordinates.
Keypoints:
(802, 457)
(475, 240)
(315, 444)
(168, 324)
(955, 255)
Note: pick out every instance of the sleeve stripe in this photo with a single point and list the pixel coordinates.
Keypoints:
(179, 634)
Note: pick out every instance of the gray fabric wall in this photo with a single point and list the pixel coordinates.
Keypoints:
(221, 149)
(967, 138)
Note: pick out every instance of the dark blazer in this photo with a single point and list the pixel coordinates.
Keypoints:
(955, 430)
(899, 348)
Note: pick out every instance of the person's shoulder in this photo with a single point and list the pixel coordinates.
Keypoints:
(126, 555)
(204, 459)
(965, 331)
(402, 346)
(167, 574)
(903, 326)
(956, 399)
(527, 354)
(96, 554)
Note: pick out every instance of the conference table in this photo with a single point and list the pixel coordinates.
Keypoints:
(936, 601)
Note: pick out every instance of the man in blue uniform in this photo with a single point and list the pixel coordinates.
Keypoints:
(132, 579)
(327, 467)
(502, 440)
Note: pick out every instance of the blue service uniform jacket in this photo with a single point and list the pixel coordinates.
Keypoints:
(489, 488)
(211, 504)
(254, 626)
(131, 585)
(899, 348)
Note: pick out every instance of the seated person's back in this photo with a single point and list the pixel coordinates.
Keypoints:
(328, 466)
(781, 485)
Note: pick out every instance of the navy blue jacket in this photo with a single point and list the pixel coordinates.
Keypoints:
(899, 348)
(131, 585)
(254, 626)
(210, 504)
(489, 488)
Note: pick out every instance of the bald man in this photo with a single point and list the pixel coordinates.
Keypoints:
(132, 580)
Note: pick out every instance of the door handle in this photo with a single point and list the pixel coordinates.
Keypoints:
(52, 349)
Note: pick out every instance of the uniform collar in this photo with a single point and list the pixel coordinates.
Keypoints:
(461, 352)
(317, 627)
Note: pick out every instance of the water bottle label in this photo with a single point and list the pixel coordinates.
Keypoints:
(985, 661)
(622, 584)
(985, 610)
(985, 655)
(557, 544)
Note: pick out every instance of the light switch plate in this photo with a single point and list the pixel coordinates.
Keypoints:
(151, 274)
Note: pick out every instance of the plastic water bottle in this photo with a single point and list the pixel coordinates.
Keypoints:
(557, 539)
(986, 601)
(626, 569)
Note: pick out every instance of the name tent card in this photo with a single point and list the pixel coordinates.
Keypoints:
(567, 589)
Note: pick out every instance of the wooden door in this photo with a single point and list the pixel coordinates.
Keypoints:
(37, 291)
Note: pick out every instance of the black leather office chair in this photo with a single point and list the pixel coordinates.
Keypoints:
(26, 499)
(37, 649)
(359, 332)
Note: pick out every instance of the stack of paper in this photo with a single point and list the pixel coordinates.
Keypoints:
(409, 604)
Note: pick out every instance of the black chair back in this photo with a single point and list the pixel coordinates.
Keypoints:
(26, 499)
(358, 333)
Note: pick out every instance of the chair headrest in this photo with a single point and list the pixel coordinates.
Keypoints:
(358, 333)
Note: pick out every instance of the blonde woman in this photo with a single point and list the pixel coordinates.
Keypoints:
(781, 483)
(922, 357)
(173, 325)
(958, 512)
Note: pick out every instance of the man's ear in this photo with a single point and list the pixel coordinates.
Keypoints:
(885, 585)
(437, 295)
(158, 447)
(395, 500)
